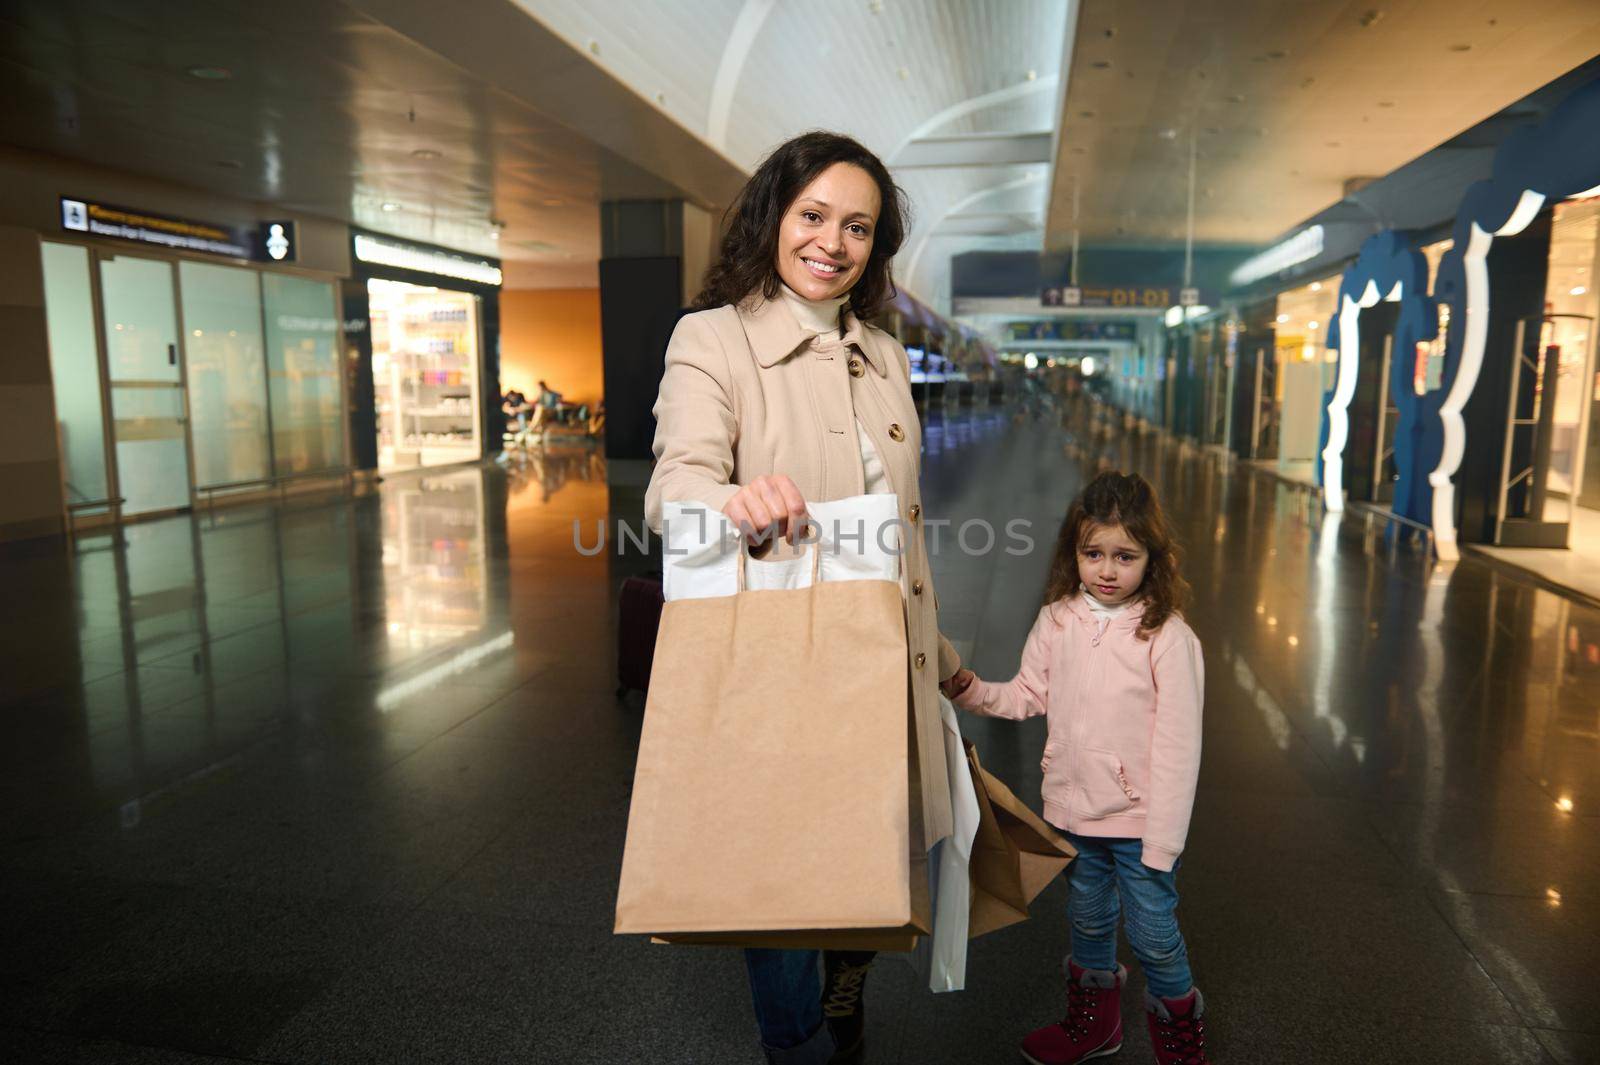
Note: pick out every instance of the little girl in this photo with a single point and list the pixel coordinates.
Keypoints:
(1120, 678)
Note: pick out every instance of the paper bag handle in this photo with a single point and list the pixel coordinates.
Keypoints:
(744, 560)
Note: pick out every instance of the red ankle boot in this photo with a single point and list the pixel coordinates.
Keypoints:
(1093, 1025)
(1178, 1028)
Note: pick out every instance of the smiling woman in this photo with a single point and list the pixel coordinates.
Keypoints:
(777, 394)
(821, 215)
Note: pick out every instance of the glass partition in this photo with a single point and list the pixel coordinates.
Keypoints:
(227, 373)
(147, 399)
(75, 370)
(303, 361)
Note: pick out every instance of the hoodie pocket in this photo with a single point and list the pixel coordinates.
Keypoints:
(1104, 789)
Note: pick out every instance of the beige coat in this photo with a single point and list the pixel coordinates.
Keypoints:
(746, 392)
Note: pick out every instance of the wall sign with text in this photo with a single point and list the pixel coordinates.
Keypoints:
(1132, 297)
(273, 242)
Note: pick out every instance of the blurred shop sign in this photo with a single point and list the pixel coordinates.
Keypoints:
(145, 227)
(1146, 297)
(1304, 245)
(1071, 329)
(373, 250)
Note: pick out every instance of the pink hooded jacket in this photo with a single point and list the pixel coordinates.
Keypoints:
(1123, 752)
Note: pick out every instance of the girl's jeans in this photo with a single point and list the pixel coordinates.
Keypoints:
(786, 986)
(1108, 877)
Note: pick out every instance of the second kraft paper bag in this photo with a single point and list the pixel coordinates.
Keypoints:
(771, 802)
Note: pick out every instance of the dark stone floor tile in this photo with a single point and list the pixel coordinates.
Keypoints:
(1293, 838)
(209, 971)
(1570, 1048)
(1539, 952)
(1283, 942)
(1496, 851)
(52, 1048)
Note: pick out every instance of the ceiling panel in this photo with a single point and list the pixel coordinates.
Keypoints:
(325, 110)
(1285, 101)
(879, 70)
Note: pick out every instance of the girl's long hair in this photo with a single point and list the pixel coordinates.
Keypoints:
(1129, 501)
(749, 254)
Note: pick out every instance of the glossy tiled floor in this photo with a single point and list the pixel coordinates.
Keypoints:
(347, 783)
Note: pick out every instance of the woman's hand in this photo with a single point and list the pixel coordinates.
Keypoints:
(958, 683)
(767, 501)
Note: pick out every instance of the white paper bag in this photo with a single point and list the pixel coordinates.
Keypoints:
(859, 538)
(943, 955)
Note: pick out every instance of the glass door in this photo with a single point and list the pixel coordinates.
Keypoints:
(1541, 468)
(145, 368)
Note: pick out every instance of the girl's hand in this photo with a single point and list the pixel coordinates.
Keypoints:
(960, 682)
(767, 501)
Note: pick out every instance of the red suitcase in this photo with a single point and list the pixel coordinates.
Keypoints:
(640, 617)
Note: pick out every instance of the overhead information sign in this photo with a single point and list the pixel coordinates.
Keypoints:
(145, 227)
(1145, 297)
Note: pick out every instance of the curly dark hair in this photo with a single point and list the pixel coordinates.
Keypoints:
(748, 257)
(1127, 500)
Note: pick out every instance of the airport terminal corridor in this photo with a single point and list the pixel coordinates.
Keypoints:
(348, 781)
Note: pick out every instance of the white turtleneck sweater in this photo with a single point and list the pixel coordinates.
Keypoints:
(819, 317)
(1103, 613)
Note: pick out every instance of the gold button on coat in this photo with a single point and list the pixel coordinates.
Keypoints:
(896, 433)
(856, 369)
(922, 659)
(916, 511)
(916, 587)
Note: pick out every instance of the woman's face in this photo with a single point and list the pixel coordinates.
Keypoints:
(826, 235)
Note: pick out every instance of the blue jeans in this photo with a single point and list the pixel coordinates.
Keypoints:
(1108, 877)
(786, 986)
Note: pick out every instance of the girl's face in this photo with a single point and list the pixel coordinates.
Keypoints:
(1111, 563)
(826, 235)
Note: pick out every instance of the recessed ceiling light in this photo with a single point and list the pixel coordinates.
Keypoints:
(426, 153)
(1385, 103)
(1168, 134)
(210, 73)
(1461, 47)
(390, 206)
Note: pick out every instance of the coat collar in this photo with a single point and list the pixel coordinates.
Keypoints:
(775, 335)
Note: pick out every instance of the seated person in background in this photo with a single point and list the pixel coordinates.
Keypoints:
(514, 405)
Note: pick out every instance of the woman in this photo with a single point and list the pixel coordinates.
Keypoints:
(776, 392)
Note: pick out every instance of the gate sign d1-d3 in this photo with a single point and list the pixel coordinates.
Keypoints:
(1128, 296)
